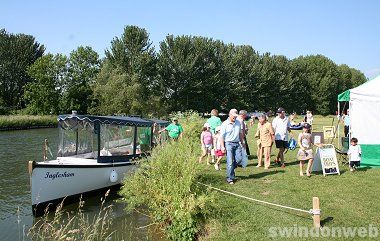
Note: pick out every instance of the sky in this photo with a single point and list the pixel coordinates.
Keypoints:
(346, 31)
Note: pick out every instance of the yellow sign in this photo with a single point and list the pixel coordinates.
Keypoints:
(329, 131)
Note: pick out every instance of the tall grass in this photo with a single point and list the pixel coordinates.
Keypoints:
(166, 184)
(10, 122)
(65, 226)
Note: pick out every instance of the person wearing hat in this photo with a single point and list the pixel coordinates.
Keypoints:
(305, 152)
(174, 130)
(231, 139)
(281, 126)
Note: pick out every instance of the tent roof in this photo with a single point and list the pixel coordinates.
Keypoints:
(370, 90)
(345, 96)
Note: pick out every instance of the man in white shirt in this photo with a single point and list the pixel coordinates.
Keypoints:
(281, 126)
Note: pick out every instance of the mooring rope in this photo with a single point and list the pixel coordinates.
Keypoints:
(311, 211)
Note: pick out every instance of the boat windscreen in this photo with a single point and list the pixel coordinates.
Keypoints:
(116, 140)
(77, 138)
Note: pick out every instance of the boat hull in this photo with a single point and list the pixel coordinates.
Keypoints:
(51, 183)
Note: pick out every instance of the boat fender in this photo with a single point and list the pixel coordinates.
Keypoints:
(113, 176)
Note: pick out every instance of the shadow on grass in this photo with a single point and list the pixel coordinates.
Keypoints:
(363, 169)
(261, 174)
(212, 179)
(293, 163)
(250, 157)
(326, 221)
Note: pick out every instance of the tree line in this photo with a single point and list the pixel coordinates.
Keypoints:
(185, 73)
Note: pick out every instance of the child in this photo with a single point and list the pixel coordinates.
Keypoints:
(206, 142)
(218, 148)
(354, 152)
(305, 152)
(309, 117)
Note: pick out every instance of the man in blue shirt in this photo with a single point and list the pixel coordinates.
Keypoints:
(231, 139)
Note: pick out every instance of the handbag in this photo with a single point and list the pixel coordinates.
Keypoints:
(292, 144)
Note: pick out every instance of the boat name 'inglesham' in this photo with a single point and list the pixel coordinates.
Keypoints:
(58, 175)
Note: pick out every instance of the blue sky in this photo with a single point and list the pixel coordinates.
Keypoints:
(348, 32)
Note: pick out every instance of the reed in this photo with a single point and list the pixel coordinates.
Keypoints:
(70, 227)
(15, 122)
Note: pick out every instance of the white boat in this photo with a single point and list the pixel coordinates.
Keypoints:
(95, 153)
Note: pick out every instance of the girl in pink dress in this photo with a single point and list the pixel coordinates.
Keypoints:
(206, 143)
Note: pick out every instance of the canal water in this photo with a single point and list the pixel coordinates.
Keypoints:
(16, 149)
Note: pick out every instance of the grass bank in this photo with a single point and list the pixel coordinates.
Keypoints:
(19, 122)
(165, 185)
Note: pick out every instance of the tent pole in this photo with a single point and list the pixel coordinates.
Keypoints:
(338, 124)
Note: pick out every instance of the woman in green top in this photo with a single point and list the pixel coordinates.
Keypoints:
(174, 130)
(214, 121)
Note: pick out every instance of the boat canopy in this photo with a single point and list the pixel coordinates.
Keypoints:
(108, 138)
(115, 120)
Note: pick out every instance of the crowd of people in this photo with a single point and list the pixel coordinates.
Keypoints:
(229, 138)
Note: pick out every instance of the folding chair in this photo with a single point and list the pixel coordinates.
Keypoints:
(343, 157)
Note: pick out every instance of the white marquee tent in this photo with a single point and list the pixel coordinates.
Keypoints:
(364, 104)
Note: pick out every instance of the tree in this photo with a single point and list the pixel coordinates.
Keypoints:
(84, 65)
(127, 81)
(190, 73)
(357, 78)
(241, 77)
(323, 78)
(43, 94)
(17, 53)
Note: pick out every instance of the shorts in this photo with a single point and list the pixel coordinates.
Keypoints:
(281, 144)
(354, 164)
(305, 155)
(207, 147)
(219, 153)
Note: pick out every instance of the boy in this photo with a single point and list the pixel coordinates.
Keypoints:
(354, 152)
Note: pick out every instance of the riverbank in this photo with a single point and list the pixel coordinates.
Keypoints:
(22, 122)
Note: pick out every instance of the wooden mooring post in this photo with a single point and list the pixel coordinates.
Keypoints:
(316, 213)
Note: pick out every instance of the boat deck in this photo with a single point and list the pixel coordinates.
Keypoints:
(76, 161)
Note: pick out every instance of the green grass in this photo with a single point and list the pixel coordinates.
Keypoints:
(14, 122)
(348, 200)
